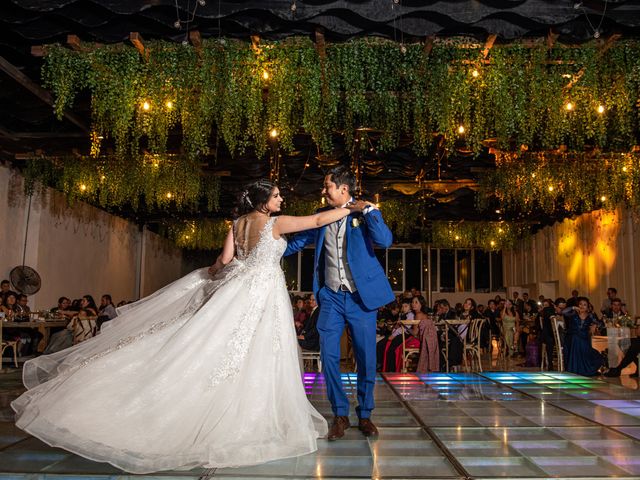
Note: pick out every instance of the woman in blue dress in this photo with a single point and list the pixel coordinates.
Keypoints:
(580, 357)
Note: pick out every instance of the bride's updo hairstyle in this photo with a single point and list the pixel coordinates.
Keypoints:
(255, 195)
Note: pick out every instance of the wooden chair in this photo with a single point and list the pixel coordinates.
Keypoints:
(472, 344)
(407, 352)
(4, 344)
(558, 346)
(308, 355)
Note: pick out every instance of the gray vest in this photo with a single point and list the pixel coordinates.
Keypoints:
(336, 266)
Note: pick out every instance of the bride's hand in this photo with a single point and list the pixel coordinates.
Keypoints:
(356, 205)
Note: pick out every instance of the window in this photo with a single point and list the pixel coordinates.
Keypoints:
(466, 270)
(403, 267)
(447, 266)
(481, 271)
(463, 270)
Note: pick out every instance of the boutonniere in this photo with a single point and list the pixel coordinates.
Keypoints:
(355, 222)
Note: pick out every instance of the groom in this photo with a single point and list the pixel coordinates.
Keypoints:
(349, 284)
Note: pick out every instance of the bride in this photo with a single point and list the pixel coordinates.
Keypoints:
(203, 372)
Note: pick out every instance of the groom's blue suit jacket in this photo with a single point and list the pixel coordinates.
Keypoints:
(362, 233)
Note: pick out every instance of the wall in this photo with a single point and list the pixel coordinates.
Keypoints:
(79, 249)
(589, 253)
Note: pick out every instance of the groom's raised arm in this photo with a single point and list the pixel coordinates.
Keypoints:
(299, 241)
(378, 230)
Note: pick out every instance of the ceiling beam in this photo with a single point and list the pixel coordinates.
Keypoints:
(37, 90)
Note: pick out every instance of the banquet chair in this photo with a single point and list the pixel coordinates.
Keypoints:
(4, 344)
(472, 345)
(311, 356)
(558, 340)
(406, 351)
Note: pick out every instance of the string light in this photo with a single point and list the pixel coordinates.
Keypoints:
(603, 198)
(169, 104)
(475, 73)
(600, 108)
(83, 187)
(461, 129)
(457, 237)
(273, 133)
(624, 169)
(169, 195)
(568, 106)
(265, 75)
(493, 244)
(146, 106)
(102, 177)
(551, 188)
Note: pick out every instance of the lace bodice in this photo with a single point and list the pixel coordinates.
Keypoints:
(267, 250)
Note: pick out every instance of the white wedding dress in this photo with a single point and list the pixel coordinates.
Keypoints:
(204, 372)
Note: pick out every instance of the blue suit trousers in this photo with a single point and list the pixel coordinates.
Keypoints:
(336, 310)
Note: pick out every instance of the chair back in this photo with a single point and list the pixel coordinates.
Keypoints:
(558, 341)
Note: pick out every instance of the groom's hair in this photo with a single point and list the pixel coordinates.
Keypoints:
(342, 175)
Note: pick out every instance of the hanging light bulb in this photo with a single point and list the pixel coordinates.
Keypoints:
(461, 129)
(169, 104)
(83, 187)
(146, 106)
(475, 73)
(265, 75)
(603, 198)
(169, 195)
(457, 237)
(493, 243)
(550, 188)
(273, 133)
(568, 106)
(600, 109)
(624, 169)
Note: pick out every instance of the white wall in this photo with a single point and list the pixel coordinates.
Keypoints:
(590, 253)
(79, 249)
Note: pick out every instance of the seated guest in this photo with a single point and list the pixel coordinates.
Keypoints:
(23, 312)
(412, 334)
(491, 313)
(606, 303)
(309, 338)
(82, 327)
(616, 310)
(395, 339)
(9, 306)
(88, 305)
(106, 312)
(62, 310)
(533, 307)
(299, 314)
(469, 312)
(580, 357)
(5, 289)
(455, 348)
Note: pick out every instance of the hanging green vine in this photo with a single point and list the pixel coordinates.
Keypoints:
(484, 235)
(207, 234)
(517, 95)
(563, 182)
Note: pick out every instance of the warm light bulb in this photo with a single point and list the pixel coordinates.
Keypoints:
(461, 129)
(551, 188)
(533, 175)
(186, 237)
(624, 169)
(475, 73)
(322, 201)
(568, 106)
(169, 195)
(500, 230)
(457, 237)
(498, 211)
(146, 106)
(83, 187)
(169, 104)
(273, 133)
(102, 177)
(493, 244)
(600, 108)
(265, 75)
(603, 198)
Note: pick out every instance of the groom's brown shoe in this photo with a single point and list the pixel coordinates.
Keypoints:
(367, 427)
(339, 425)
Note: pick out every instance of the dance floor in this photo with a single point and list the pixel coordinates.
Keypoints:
(491, 425)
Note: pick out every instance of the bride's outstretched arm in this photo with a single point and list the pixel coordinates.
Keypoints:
(289, 224)
(226, 256)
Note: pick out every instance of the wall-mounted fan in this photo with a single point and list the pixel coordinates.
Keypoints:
(25, 279)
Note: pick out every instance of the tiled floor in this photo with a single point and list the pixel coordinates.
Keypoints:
(491, 425)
